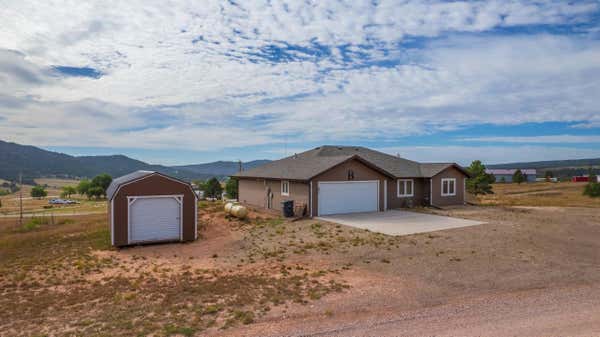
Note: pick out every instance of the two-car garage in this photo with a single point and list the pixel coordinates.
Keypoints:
(337, 197)
(352, 186)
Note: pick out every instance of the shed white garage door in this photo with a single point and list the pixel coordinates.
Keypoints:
(154, 218)
(348, 197)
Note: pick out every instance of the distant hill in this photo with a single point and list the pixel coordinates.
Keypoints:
(34, 162)
(221, 168)
(559, 168)
(571, 163)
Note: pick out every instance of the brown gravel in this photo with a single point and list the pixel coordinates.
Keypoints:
(527, 272)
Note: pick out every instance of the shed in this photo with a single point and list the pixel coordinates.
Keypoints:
(148, 206)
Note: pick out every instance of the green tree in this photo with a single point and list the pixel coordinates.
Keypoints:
(592, 189)
(103, 181)
(231, 187)
(212, 188)
(518, 177)
(38, 191)
(199, 183)
(548, 175)
(96, 192)
(480, 181)
(67, 191)
(592, 176)
(84, 187)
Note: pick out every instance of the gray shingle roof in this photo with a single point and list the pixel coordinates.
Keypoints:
(114, 185)
(306, 165)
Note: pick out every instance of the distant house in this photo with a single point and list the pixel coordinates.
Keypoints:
(505, 175)
(346, 179)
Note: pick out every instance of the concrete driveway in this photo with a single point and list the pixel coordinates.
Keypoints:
(397, 222)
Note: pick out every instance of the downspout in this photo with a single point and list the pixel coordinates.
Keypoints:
(385, 195)
(430, 191)
(310, 198)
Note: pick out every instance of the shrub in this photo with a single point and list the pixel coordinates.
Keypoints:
(592, 190)
(34, 223)
(519, 177)
(38, 192)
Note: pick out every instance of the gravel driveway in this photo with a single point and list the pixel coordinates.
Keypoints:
(399, 222)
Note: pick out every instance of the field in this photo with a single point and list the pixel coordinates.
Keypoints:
(40, 207)
(563, 194)
(527, 271)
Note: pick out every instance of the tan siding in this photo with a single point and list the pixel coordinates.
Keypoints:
(401, 202)
(340, 173)
(254, 192)
(153, 185)
(438, 199)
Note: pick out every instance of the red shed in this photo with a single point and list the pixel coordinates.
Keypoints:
(580, 179)
(147, 206)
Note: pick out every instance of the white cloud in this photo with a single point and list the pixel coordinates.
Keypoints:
(160, 87)
(464, 155)
(537, 139)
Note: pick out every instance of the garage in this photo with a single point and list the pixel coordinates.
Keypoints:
(154, 218)
(147, 207)
(337, 197)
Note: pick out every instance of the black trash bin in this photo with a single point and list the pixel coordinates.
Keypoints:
(288, 208)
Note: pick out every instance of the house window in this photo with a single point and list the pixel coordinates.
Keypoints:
(285, 187)
(405, 188)
(448, 187)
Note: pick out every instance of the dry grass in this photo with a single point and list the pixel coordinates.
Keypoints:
(56, 183)
(40, 207)
(63, 279)
(564, 194)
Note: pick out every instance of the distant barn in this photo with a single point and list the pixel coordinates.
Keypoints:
(506, 175)
(583, 179)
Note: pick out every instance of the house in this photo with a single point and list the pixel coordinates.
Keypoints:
(148, 206)
(506, 175)
(347, 179)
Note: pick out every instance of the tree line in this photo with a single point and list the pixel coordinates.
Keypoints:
(95, 188)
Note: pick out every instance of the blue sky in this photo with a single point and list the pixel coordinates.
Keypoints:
(189, 82)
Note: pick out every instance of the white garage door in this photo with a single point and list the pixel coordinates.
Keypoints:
(348, 197)
(154, 218)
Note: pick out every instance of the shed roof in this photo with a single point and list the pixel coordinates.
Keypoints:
(136, 175)
(306, 165)
(114, 185)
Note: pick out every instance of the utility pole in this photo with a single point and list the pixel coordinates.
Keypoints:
(240, 166)
(20, 199)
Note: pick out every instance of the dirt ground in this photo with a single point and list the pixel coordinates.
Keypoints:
(527, 271)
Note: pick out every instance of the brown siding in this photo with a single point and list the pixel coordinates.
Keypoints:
(254, 192)
(153, 185)
(340, 173)
(436, 187)
(401, 202)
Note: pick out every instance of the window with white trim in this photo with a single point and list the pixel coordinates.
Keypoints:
(448, 187)
(405, 188)
(285, 187)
